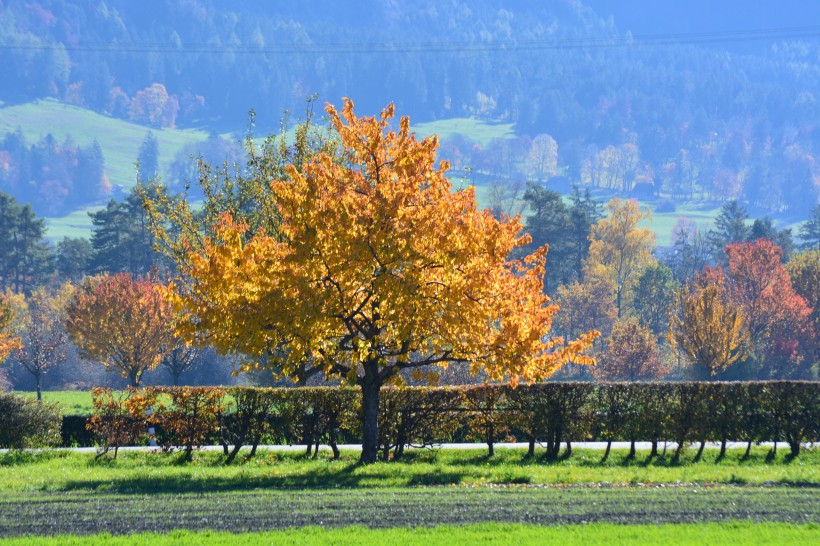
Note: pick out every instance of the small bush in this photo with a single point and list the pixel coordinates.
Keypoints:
(27, 423)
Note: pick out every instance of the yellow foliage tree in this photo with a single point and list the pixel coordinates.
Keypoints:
(708, 328)
(377, 267)
(40, 324)
(619, 250)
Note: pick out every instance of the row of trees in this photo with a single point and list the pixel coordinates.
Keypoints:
(739, 314)
(56, 177)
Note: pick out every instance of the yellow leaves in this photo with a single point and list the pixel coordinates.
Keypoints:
(709, 328)
(379, 263)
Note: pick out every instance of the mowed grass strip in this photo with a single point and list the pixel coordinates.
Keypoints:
(154, 471)
(240, 512)
(493, 533)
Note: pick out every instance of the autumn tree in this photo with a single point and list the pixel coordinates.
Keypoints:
(584, 306)
(8, 340)
(619, 250)
(179, 358)
(542, 158)
(121, 322)
(377, 267)
(40, 325)
(804, 272)
(631, 354)
(779, 319)
(708, 328)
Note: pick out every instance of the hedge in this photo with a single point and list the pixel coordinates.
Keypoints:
(550, 414)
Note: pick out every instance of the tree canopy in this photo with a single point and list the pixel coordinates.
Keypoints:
(378, 267)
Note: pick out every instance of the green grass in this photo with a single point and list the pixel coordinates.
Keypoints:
(75, 224)
(472, 129)
(487, 533)
(145, 472)
(73, 402)
(703, 216)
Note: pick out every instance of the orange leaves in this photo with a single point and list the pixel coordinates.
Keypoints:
(124, 324)
(8, 341)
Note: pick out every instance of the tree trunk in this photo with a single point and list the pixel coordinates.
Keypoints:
(531, 449)
(654, 452)
(606, 453)
(631, 450)
(39, 393)
(748, 451)
(490, 440)
(700, 450)
(335, 449)
(722, 453)
(370, 414)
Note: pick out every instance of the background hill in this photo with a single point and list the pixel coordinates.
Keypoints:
(672, 101)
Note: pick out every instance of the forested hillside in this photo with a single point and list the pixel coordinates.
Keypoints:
(682, 113)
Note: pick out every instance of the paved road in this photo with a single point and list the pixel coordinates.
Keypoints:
(670, 446)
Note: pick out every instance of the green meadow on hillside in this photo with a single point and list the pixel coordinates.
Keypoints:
(120, 140)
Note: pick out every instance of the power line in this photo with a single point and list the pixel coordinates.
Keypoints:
(604, 42)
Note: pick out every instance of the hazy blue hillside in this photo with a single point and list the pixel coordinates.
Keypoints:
(682, 100)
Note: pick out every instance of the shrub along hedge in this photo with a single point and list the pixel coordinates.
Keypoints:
(552, 414)
(25, 422)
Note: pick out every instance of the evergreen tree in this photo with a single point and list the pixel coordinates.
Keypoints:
(25, 257)
(121, 240)
(148, 158)
(730, 227)
(763, 228)
(73, 258)
(810, 231)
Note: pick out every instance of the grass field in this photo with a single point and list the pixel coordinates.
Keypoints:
(69, 493)
(73, 402)
(596, 534)
(147, 472)
(472, 129)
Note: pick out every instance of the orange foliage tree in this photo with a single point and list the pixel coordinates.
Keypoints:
(121, 322)
(631, 354)
(779, 319)
(377, 267)
(8, 340)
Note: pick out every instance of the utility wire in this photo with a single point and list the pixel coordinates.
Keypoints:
(604, 42)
